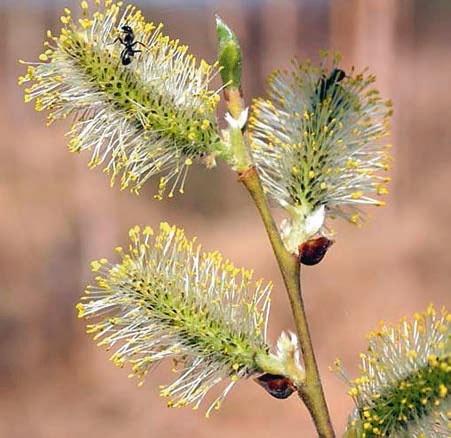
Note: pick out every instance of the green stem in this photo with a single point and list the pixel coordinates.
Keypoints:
(311, 392)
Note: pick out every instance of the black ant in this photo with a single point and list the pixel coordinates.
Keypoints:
(328, 86)
(326, 83)
(128, 52)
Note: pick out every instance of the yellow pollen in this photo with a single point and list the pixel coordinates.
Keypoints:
(353, 392)
(95, 266)
(382, 190)
(352, 164)
(411, 354)
(148, 231)
(205, 124)
(85, 23)
(355, 219)
(81, 310)
(432, 360)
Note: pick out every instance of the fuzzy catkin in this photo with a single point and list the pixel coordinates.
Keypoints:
(316, 142)
(153, 116)
(405, 382)
(168, 299)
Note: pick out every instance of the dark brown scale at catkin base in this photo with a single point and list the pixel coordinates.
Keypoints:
(279, 387)
(313, 251)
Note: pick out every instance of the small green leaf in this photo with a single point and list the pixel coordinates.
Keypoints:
(229, 54)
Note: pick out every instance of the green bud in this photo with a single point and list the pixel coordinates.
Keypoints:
(229, 54)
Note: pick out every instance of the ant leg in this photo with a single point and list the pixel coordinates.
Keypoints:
(138, 42)
(116, 40)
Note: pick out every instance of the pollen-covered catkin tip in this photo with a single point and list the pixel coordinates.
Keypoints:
(405, 382)
(141, 103)
(166, 298)
(317, 141)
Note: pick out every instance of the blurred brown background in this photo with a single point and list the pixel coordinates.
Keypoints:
(56, 216)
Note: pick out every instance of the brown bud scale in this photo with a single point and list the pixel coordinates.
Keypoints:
(279, 387)
(313, 251)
